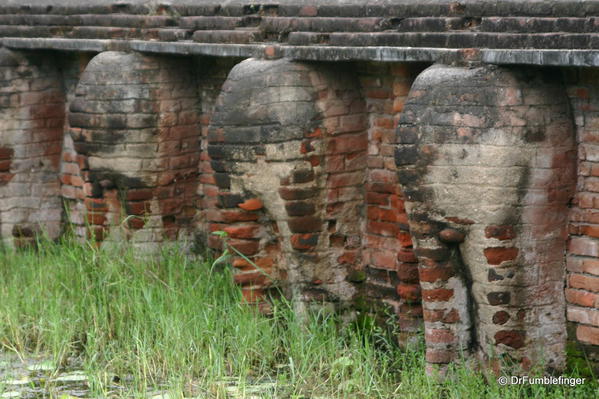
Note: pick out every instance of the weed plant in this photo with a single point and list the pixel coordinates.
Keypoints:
(176, 322)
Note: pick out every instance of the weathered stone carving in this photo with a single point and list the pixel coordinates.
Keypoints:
(486, 162)
(288, 145)
(135, 121)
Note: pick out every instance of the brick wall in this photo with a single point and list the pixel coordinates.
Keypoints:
(392, 270)
(32, 116)
(582, 280)
(72, 66)
(502, 24)
(210, 73)
(135, 126)
(296, 161)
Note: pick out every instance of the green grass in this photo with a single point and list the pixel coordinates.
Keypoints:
(174, 322)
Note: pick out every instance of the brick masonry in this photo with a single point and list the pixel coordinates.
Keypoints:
(296, 160)
(31, 119)
(503, 24)
(389, 262)
(134, 122)
(582, 280)
(288, 145)
(486, 162)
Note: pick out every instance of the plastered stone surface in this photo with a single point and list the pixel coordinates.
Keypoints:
(134, 122)
(31, 125)
(283, 140)
(486, 163)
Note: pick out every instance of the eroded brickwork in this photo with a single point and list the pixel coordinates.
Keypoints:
(31, 127)
(211, 74)
(390, 265)
(313, 168)
(582, 281)
(135, 126)
(288, 144)
(486, 161)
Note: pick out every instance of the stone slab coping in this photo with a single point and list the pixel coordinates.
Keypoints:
(587, 58)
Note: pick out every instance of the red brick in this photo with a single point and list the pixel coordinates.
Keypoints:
(512, 338)
(242, 264)
(401, 88)
(383, 229)
(5, 165)
(433, 315)
(451, 317)
(345, 179)
(458, 220)
(6, 153)
(335, 163)
(245, 231)
(95, 205)
(304, 242)
(383, 259)
(591, 266)
(381, 243)
(432, 274)
(300, 208)
(582, 298)
(437, 294)
(252, 295)
(381, 188)
(348, 257)
(584, 282)
(96, 218)
(497, 255)
(251, 278)
(587, 334)
(409, 292)
(439, 356)
(232, 216)
(590, 230)
(409, 310)
(96, 233)
(441, 315)
(439, 336)
(382, 176)
(252, 204)
(404, 238)
(407, 272)
(407, 255)
(451, 236)
(378, 93)
(139, 194)
(347, 144)
(291, 194)
(246, 247)
(377, 198)
(500, 232)
(308, 11)
(583, 315)
(304, 224)
(215, 242)
(584, 246)
(501, 317)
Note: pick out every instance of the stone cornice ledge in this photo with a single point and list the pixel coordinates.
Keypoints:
(589, 58)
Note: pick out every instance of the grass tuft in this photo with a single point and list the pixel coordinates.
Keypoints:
(176, 322)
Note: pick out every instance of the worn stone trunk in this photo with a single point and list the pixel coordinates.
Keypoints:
(486, 162)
